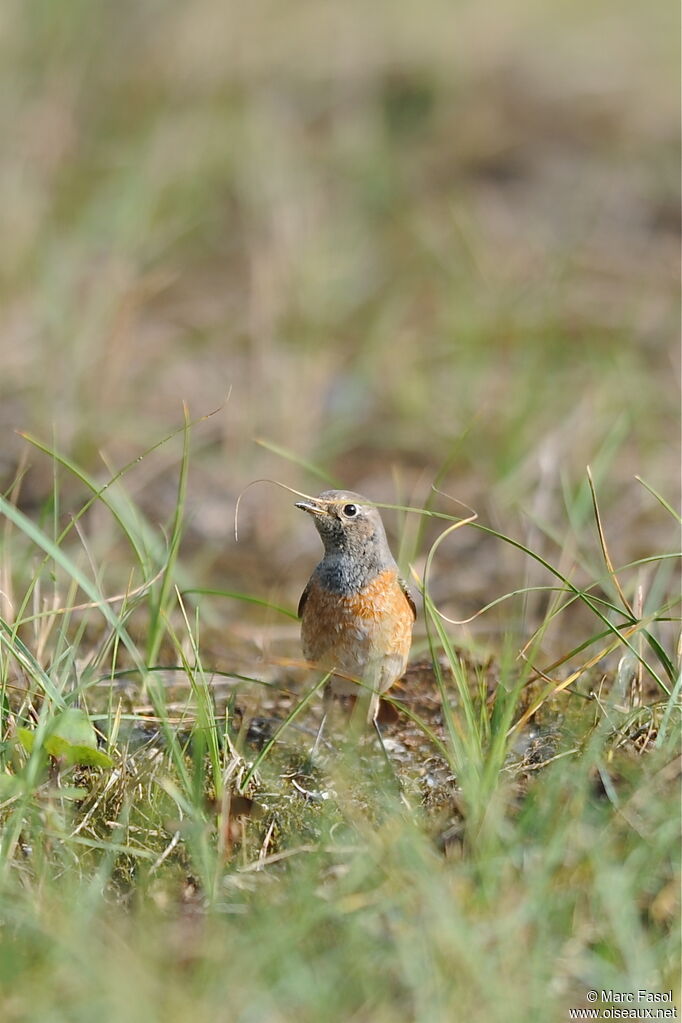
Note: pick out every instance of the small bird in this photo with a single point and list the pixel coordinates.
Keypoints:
(356, 612)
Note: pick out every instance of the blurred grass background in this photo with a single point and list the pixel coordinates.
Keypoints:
(399, 236)
(410, 241)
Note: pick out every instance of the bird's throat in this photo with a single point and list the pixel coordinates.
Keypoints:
(345, 573)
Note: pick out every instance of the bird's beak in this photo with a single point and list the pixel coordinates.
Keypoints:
(312, 507)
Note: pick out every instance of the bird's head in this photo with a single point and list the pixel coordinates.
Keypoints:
(347, 523)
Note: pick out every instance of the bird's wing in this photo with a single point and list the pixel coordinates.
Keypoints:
(403, 586)
(304, 597)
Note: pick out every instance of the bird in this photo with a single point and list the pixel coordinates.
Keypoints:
(356, 611)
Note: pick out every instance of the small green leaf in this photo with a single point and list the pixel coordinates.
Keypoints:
(71, 737)
(73, 753)
(74, 727)
(26, 737)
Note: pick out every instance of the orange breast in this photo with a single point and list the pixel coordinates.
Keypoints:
(366, 635)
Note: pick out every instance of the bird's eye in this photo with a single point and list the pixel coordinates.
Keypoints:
(350, 510)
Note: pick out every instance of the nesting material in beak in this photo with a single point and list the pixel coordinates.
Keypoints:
(312, 507)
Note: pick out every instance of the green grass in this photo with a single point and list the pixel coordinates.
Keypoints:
(152, 885)
(423, 251)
